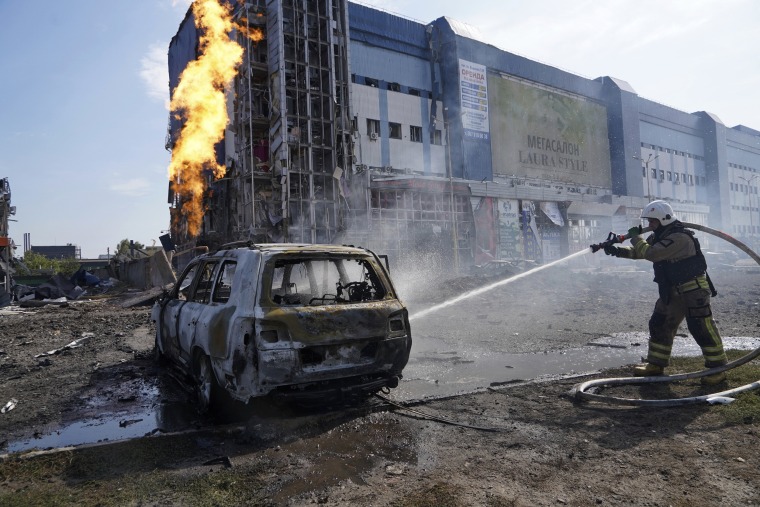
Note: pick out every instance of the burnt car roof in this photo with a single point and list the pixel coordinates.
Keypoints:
(294, 247)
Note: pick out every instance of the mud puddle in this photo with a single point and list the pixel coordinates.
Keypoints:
(139, 411)
(144, 406)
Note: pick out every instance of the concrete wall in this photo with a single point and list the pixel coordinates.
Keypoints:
(148, 272)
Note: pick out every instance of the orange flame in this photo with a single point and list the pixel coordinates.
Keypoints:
(200, 99)
(252, 33)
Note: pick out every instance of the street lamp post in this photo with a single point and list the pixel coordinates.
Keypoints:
(646, 166)
(749, 198)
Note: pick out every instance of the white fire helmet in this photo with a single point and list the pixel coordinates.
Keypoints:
(660, 210)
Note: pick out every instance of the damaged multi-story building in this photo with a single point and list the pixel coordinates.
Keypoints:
(352, 125)
(6, 243)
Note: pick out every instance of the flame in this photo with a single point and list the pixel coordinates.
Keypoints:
(255, 34)
(200, 99)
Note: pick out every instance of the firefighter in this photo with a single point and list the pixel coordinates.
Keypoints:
(680, 271)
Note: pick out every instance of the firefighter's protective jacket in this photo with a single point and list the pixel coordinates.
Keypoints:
(675, 254)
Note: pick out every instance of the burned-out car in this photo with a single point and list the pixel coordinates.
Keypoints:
(315, 322)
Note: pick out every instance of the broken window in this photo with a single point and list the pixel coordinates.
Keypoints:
(223, 287)
(436, 137)
(373, 128)
(415, 134)
(311, 281)
(185, 284)
(203, 287)
(394, 130)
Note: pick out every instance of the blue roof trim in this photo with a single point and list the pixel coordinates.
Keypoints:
(387, 31)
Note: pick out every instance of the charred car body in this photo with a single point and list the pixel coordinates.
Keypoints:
(314, 322)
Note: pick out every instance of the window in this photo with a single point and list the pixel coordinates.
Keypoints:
(312, 281)
(691, 180)
(183, 292)
(414, 91)
(371, 82)
(223, 287)
(436, 137)
(373, 128)
(415, 134)
(643, 171)
(654, 173)
(670, 176)
(662, 175)
(683, 177)
(394, 130)
(203, 289)
(394, 87)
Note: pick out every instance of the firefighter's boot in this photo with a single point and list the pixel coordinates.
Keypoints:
(648, 370)
(715, 379)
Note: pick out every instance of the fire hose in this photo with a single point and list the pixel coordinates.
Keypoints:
(580, 391)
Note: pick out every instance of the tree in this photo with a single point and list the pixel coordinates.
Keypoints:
(123, 248)
(37, 261)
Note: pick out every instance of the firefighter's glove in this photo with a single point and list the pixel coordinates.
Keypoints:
(612, 250)
(634, 231)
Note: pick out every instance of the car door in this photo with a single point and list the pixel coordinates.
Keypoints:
(171, 308)
(190, 312)
(212, 326)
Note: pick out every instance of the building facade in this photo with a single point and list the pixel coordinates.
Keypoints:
(6, 243)
(353, 125)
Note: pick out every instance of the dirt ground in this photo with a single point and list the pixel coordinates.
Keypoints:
(522, 444)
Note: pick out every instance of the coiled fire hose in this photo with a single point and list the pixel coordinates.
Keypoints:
(580, 391)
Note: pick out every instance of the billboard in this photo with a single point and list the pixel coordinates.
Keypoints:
(549, 135)
(473, 88)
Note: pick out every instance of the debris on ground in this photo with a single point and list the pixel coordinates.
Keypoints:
(9, 406)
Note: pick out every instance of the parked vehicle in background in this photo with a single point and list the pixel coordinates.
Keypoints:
(314, 323)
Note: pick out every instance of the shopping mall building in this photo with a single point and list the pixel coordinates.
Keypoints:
(353, 125)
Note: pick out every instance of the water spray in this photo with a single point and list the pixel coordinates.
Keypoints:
(612, 238)
(494, 285)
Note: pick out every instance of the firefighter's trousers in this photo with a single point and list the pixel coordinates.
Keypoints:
(691, 301)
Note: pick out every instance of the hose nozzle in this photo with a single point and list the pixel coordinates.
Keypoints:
(613, 238)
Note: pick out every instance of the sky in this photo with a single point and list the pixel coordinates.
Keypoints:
(83, 98)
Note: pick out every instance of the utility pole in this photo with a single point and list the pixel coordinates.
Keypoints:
(749, 198)
(454, 233)
(648, 176)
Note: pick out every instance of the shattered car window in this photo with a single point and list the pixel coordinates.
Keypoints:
(319, 281)
(203, 288)
(185, 283)
(223, 287)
